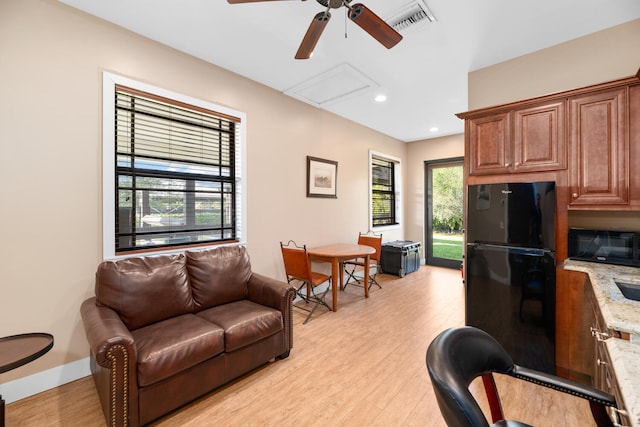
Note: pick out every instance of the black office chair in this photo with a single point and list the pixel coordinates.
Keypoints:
(459, 355)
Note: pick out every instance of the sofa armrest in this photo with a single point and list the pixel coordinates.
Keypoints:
(113, 362)
(275, 294)
(105, 330)
(270, 292)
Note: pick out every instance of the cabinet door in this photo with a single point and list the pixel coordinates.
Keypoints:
(488, 144)
(574, 319)
(604, 377)
(599, 149)
(634, 145)
(608, 382)
(539, 138)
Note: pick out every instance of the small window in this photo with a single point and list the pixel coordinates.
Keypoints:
(176, 177)
(384, 190)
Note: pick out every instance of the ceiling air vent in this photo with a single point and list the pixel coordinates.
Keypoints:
(412, 14)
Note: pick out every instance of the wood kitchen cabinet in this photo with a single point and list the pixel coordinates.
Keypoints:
(590, 134)
(607, 382)
(604, 377)
(599, 169)
(581, 332)
(634, 145)
(488, 144)
(524, 138)
(574, 319)
(539, 137)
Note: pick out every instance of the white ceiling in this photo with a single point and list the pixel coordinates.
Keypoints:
(424, 77)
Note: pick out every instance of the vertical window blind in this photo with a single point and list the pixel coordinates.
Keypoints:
(383, 192)
(175, 173)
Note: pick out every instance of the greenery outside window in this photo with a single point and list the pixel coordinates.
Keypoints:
(177, 169)
(384, 190)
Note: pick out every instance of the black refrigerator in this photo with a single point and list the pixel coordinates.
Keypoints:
(510, 268)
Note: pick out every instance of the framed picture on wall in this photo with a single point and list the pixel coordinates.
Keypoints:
(322, 177)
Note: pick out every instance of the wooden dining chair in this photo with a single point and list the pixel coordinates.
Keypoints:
(369, 239)
(297, 267)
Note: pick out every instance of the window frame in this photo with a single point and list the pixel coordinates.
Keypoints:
(397, 193)
(110, 81)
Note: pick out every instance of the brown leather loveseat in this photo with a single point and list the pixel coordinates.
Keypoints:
(164, 330)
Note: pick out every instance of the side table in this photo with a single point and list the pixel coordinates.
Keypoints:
(18, 350)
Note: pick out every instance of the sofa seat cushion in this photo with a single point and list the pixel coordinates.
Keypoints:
(173, 345)
(244, 322)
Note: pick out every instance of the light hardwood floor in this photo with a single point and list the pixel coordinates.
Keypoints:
(361, 366)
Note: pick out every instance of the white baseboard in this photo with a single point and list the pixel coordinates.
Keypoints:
(45, 380)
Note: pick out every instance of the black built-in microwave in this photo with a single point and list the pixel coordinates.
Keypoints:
(605, 246)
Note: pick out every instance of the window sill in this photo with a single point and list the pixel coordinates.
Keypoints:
(170, 250)
(379, 228)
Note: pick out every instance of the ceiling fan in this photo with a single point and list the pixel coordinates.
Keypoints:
(358, 13)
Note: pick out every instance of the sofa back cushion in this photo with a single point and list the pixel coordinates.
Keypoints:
(145, 290)
(219, 275)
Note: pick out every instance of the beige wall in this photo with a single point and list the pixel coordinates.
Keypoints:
(51, 63)
(599, 57)
(51, 59)
(417, 154)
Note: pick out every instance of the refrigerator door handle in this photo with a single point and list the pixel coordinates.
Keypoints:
(515, 249)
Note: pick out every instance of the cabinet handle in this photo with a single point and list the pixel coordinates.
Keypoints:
(621, 412)
(600, 336)
(575, 195)
(615, 414)
(601, 362)
(506, 165)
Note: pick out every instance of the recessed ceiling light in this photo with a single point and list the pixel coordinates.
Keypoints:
(434, 129)
(381, 98)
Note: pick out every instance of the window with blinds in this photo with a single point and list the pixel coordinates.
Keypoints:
(383, 192)
(175, 173)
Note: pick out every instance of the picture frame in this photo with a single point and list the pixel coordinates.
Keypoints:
(322, 176)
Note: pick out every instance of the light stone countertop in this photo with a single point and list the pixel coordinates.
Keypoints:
(623, 315)
(625, 360)
(619, 313)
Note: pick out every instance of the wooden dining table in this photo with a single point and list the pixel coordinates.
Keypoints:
(337, 254)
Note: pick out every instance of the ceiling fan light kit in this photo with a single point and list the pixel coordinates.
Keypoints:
(358, 13)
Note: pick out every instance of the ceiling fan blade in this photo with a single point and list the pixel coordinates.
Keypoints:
(247, 1)
(374, 25)
(313, 34)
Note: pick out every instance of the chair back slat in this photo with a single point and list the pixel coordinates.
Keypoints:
(296, 263)
(373, 241)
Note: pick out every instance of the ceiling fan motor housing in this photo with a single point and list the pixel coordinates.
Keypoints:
(334, 4)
